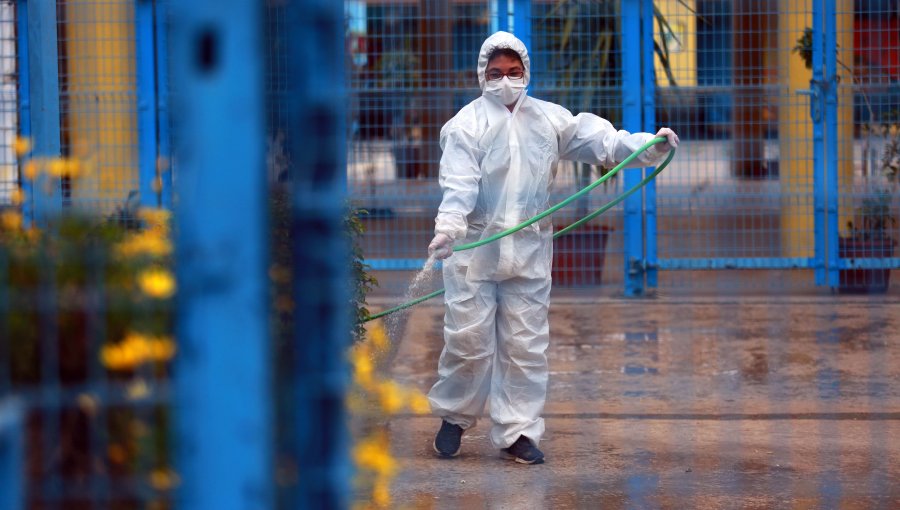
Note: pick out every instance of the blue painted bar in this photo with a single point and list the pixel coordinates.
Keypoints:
(223, 395)
(736, 263)
(24, 103)
(12, 456)
(831, 147)
(315, 106)
(146, 102)
(522, 21)
(44, 95)
(501, 15)
(632, 120)
(648, 90)
(873, 263)
(819, 163)
(163, 124)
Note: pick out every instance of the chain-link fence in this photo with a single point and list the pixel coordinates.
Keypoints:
(741, 197)
(785, 184)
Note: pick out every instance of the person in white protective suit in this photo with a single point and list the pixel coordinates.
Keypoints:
(500, 154)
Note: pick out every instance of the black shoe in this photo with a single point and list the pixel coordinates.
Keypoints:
(524, 452)
(447, 441)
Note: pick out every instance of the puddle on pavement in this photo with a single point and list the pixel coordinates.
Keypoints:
(784, 377)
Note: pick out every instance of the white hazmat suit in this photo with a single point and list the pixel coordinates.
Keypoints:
(496, 171)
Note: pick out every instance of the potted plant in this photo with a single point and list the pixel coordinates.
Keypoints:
(870, 230)
(579, 255)
(587, 81)
(870, 237)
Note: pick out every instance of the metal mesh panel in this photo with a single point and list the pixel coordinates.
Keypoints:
(655, 403)
(868, 140)
(85, 318)
(740, 197)
(739, 193)
(8, 103)
(98, 101)
(86, 347)
(576, 54)
(412, 66)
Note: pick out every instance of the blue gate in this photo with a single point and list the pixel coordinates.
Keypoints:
(783, 133)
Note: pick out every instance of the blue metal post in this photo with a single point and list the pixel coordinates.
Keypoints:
(831, 147)
(816, 112)
(632, 121)
(43, 80)
(316, 105)
(501, 15)
(648, 91)
(22, 54)
(223, 395)
(146, 100)
(163, 124)
(12, 456)
(522, 21)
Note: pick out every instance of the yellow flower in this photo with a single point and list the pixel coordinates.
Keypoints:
(162, 349)
(154, 216)
(56, 167)
(378, 337)
(135, 349)
(157, 283)
(31, 169)
(11, 219)
(392, 396)
(418, 403)
(73, 168)
(22, 146)
(145, 243)
(362, 366)
(374, 454)
(163, 479)
(64, 167)
(381, 492)
(17, 197)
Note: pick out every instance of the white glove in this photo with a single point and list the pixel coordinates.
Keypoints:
(671, 140)
(440, 247)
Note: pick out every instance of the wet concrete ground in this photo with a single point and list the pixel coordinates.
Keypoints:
(738, 402)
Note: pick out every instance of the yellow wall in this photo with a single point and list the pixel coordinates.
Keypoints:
(102, 125)
(795, 130)
(845, 111)
(795, 126)
(683, 60)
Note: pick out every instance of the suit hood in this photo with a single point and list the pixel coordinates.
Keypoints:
(502, 40)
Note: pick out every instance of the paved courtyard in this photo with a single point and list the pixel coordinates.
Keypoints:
(682, 402)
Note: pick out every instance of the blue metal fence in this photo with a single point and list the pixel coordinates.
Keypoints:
(8, 101)
(85, 317)
(11, 454)
(750, 202)
(86, 89)
(787, 177)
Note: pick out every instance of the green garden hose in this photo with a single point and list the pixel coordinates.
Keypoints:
(584, 191)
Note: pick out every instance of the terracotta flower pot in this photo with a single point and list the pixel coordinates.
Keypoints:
(578, 256)
(865, 281)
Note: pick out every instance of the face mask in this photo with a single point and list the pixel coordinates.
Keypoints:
(505, 90)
